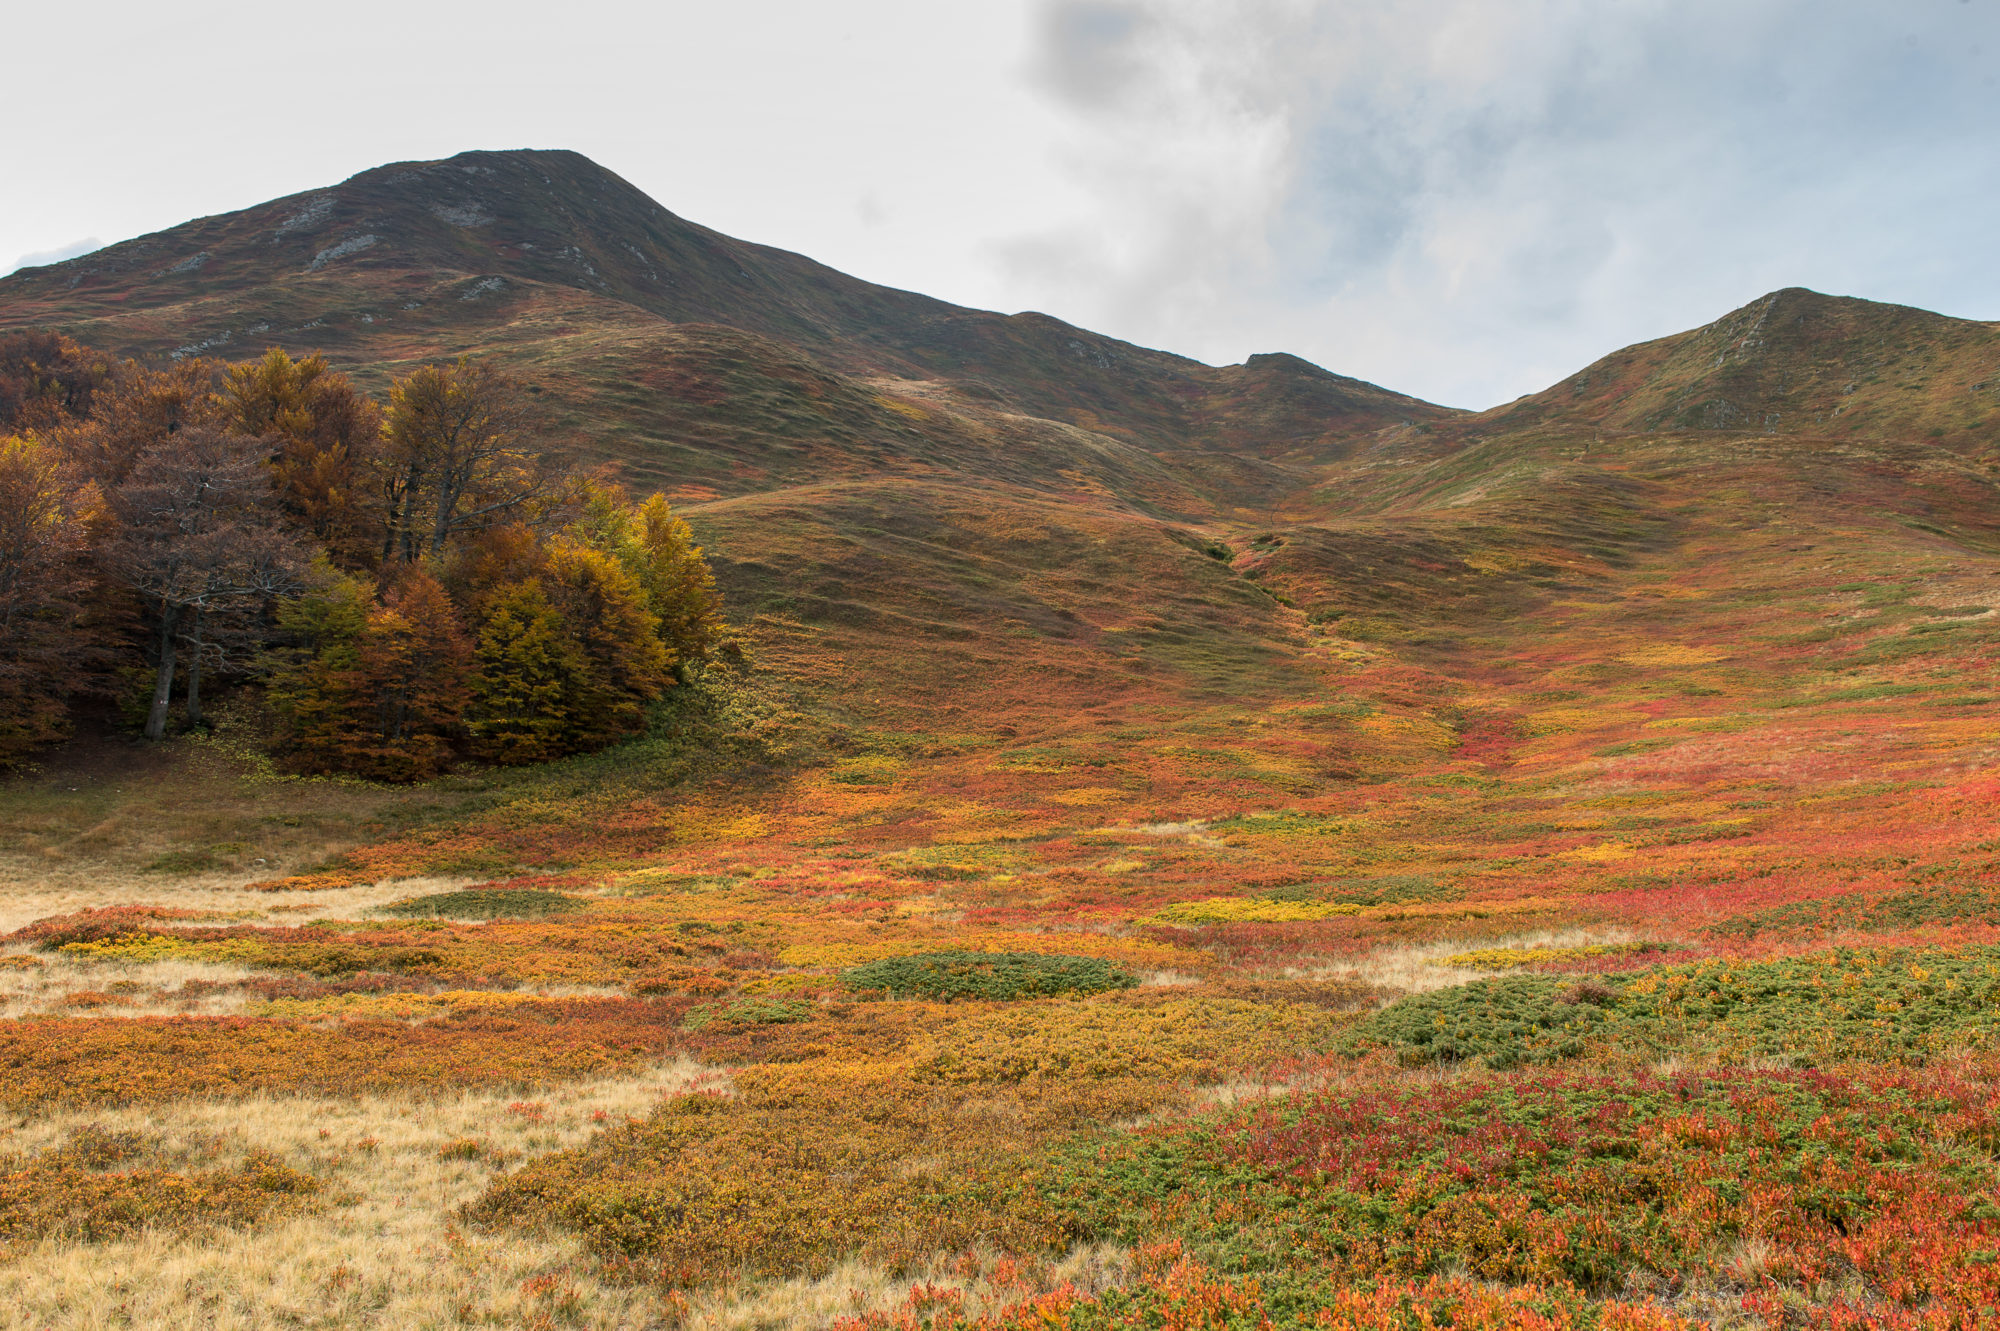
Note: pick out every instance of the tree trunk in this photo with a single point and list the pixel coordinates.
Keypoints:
(449, 491)
(163, 682)
(402, 512)
(391, 529)
(194, 674)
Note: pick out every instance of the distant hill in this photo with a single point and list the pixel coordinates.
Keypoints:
(1795, 362)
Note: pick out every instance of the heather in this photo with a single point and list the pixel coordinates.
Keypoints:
(874, 836)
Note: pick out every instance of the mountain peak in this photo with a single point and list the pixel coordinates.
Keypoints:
(415, 257)
(1794, 361)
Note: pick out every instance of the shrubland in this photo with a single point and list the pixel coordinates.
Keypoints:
(1239, 851)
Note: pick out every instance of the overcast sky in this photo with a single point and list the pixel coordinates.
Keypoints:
(1462, 199)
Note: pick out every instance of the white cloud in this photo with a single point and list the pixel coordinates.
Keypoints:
(1466, 199)
(56, 255)
(1469, 199)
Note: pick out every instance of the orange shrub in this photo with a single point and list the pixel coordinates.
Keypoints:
(72, 1191)
(113, 1060)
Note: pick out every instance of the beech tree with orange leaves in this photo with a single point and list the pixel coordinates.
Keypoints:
(199, 543)
(44, 582)
(412, 586)
(458, 458)
(412, 658)
(325, 436)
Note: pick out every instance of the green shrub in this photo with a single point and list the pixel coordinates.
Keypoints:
(1387, 889)
(1941, 904)
(1902, 1005)
(1899, 1005)
(487, 904)
(1503, 1022)
(992, 976)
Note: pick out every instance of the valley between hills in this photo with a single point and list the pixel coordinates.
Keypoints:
(1170, 846)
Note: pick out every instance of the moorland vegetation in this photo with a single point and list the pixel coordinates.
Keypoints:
(1179, 846)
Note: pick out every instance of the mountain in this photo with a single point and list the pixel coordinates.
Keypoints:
(417, 251)
(957, 503)
(1795, 362)
(1615, 761)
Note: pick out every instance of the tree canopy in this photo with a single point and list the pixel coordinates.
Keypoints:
(402, 587)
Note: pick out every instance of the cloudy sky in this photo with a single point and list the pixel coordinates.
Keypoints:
(1463, 199)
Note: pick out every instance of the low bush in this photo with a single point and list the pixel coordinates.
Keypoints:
(99, 1060)
(1886, 1004)
(1503, 1023)
(988, 976)
(1382, 890)
(1935, 906)
(1251, 910)
(1893, 1005)
(1174, 1291)
(750, 1012)
(1173, 1043)
(94, 1187)
(1556, 958)
(95, 926)
(801, 1168)
(486, 904)
(1879, 1179)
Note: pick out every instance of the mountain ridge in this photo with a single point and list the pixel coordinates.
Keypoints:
(718, 370)
(499, 220)
(484, 234)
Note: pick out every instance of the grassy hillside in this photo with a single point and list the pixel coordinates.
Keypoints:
(1185, 847)
(1794, 362)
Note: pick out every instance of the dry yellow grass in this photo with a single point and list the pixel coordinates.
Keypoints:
(386, 1250)
(215, 898)
(103, 820)
(1416, 968)
(45, 984)
(857, 1288)
(54, 984)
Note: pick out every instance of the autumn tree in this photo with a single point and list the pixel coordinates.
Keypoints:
(326, 435)
(140, 408)
(487, 561)
(43, 585)
(316, 687)
(204, 492)
(200, 543)
(604, 614)
(458, 458)
(412, 662)
(680, 586)
(657, 548)
(46, 380)
(527, 680)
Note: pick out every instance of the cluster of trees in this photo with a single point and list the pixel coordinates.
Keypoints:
(411, 582)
